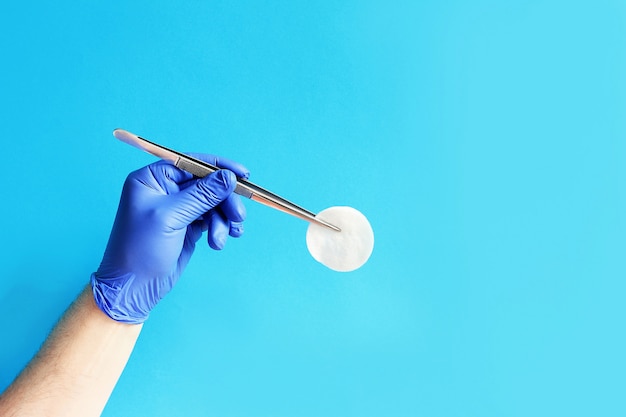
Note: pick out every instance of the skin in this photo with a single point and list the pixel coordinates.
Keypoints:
(76, 369)
(78, 366)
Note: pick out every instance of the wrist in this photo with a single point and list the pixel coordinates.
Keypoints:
(115, 298)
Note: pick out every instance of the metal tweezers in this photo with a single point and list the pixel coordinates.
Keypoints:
(201, 169)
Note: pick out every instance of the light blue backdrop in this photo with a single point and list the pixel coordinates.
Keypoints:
(484, 140)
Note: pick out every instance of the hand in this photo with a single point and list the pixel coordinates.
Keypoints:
(162, 214)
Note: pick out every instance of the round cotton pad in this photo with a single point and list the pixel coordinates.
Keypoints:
(341, 251)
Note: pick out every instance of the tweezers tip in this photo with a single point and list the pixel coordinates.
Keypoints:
(329, 225)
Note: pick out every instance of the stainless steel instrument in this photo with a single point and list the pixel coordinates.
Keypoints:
(202, 169)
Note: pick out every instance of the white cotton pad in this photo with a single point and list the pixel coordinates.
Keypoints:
(341, 251)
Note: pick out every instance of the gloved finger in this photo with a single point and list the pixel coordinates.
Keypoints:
(161, 177)
(189, 183)
(194, 232)
(218, 230)
(204, 222)
(189, 204)
(233, 209)
(236, 229)
(224, 163)
(164, 176)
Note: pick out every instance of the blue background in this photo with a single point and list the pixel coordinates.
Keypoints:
(484, 140)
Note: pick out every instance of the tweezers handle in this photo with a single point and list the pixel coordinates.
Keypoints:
(247, 189)
(201, 169)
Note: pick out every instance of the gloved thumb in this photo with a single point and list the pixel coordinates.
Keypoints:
(189, 204)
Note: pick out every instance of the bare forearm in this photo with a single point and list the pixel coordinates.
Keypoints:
(77, 367)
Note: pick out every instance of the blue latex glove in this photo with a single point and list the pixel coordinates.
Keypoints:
(163, 212)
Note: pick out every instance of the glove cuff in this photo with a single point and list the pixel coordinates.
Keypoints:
(114, 299)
